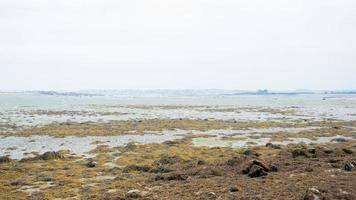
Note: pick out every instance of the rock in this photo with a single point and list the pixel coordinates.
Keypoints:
(5, 159)
(339, 140)
(348, 166)
(155, 189)
(249, 152)
(312, 194)
(234, 189)
(273, 146)
(348, 151)
(274, 168)
(211, 195)
(171, 177)
(312, 150)
(136, 168)
(166, 159)
(92, 164)
(134, 194)
(327, 150)
(253, 169)
(336, 127)
(256, 171)
(299, 152)
(51, 155)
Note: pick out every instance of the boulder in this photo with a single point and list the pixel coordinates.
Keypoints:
(299, 152)
(256, 171)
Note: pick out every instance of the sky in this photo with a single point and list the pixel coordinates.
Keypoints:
(177, 44)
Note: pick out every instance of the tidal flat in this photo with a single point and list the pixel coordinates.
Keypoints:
(278, 147)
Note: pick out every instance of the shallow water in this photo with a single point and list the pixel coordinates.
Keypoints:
(219, 142)
(19, 147)
(19, 109)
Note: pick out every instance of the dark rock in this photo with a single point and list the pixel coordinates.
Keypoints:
(348, 166)
(256, 171)
(274, 168)
(166, 159)
(249, 152)
(51, 155)
(171, 177)
(348, 151)
(257, 163)
(336, 127)
(339, 140)
(273, 146)
(234, 189)
(312, 150)
(312, 194)
(92, 164)
(136, 168)
(5, 159)
(234, 161)
(160, 169)
(299, 152)
(327, 150)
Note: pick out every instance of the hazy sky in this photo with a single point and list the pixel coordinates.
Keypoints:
(150, 44)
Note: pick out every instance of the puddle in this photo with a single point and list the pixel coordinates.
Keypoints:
(219, 142)
(77, 145)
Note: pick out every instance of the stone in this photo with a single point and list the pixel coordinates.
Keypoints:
(273, 146)
(339, 140)
(327, 150)
(134, 194)
(274, 168)
(256, 171)
(348, 151)
(348, 166)
(234, 189)
(299, 152)
(312, 194)
(52, 155)
(249, 152)
(5, 159)
(312, 150)
(92, 164)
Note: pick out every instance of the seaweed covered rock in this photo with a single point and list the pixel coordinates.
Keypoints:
(171, 177)
(256, 168)
(51, 155)
(166, 159)
(299, 152)
(256, 171)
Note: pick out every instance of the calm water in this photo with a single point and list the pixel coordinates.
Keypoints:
(21, 109)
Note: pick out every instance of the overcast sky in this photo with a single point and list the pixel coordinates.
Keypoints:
(174, 44)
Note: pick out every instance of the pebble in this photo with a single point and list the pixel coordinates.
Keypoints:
(348, 166)
(312, 194)
(92, 164)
